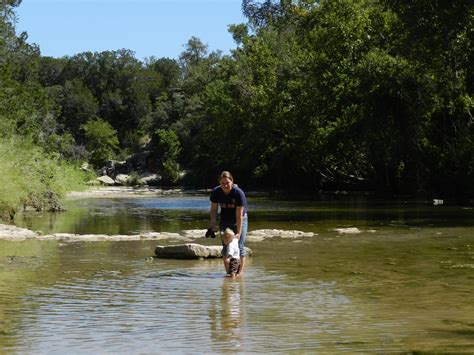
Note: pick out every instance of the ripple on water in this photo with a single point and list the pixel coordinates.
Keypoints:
(170, 306)
(181, 309)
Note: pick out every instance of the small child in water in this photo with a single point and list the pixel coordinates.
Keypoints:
(232, 259)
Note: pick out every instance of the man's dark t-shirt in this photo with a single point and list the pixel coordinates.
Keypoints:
(228, 204)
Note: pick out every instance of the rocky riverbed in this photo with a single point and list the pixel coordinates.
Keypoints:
(10, 232)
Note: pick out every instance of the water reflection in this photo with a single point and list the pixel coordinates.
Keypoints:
(174, 214)
(227, 318)
(335, 296)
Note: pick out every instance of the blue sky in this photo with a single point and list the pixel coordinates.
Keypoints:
(157, 28)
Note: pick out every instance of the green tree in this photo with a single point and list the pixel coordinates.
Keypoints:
(168, 70)
(101, 140)
(167, 149)
(442, 62)
(121, 87)
(78, 106)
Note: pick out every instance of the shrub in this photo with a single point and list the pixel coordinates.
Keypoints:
(30, 177)
(101, 140)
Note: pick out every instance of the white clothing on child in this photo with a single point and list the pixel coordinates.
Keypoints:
(233, 249)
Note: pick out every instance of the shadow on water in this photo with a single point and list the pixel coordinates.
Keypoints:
(174, 274)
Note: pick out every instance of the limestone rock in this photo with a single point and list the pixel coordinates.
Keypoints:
(85, 167)
(121, 179)
(351, 230)
(10, 232)
(190, 251)
(261, 234)
(106, 180)
(150, 179)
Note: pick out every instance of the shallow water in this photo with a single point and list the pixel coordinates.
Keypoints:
(403, 284)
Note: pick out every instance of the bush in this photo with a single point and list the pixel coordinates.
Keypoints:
(32, 178)
(101, 140)
(166, 145)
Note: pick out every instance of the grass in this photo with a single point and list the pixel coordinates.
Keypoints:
(32, 177)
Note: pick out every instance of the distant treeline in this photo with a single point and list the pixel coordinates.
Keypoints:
(330, 94)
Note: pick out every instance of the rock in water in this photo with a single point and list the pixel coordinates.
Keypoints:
(190, 251)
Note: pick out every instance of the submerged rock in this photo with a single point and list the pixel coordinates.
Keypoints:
(261, 234)
(351, 230)
(191, 251)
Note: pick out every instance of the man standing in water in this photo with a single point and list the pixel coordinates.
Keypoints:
(233, 207)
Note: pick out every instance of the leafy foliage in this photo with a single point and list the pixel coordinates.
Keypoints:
(167, 147)
(316, 95)
(31, 168)
(101, 140)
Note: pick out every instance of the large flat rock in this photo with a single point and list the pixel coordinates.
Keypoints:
(191, 251)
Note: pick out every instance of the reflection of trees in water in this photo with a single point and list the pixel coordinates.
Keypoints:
(227, 317)
(116, 216)
(31, 264)
(23, 266)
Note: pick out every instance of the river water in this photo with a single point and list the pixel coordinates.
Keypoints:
(403, 284)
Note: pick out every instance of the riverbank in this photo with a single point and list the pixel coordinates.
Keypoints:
(127, 191)
(150, 191)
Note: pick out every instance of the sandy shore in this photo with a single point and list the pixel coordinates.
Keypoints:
(126, 191)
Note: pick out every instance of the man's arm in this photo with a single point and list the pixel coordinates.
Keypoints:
(239, 210)
(214, 207)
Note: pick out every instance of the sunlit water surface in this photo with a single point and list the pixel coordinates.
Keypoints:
(403, 284)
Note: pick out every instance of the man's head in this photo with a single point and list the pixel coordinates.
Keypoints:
(226, 181)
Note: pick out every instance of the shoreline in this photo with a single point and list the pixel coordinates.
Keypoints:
(155, 191)
(129, 191)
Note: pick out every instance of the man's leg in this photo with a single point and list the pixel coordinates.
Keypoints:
(242, 264)
(243, 235)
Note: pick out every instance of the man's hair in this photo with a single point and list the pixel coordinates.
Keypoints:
(226, 174)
